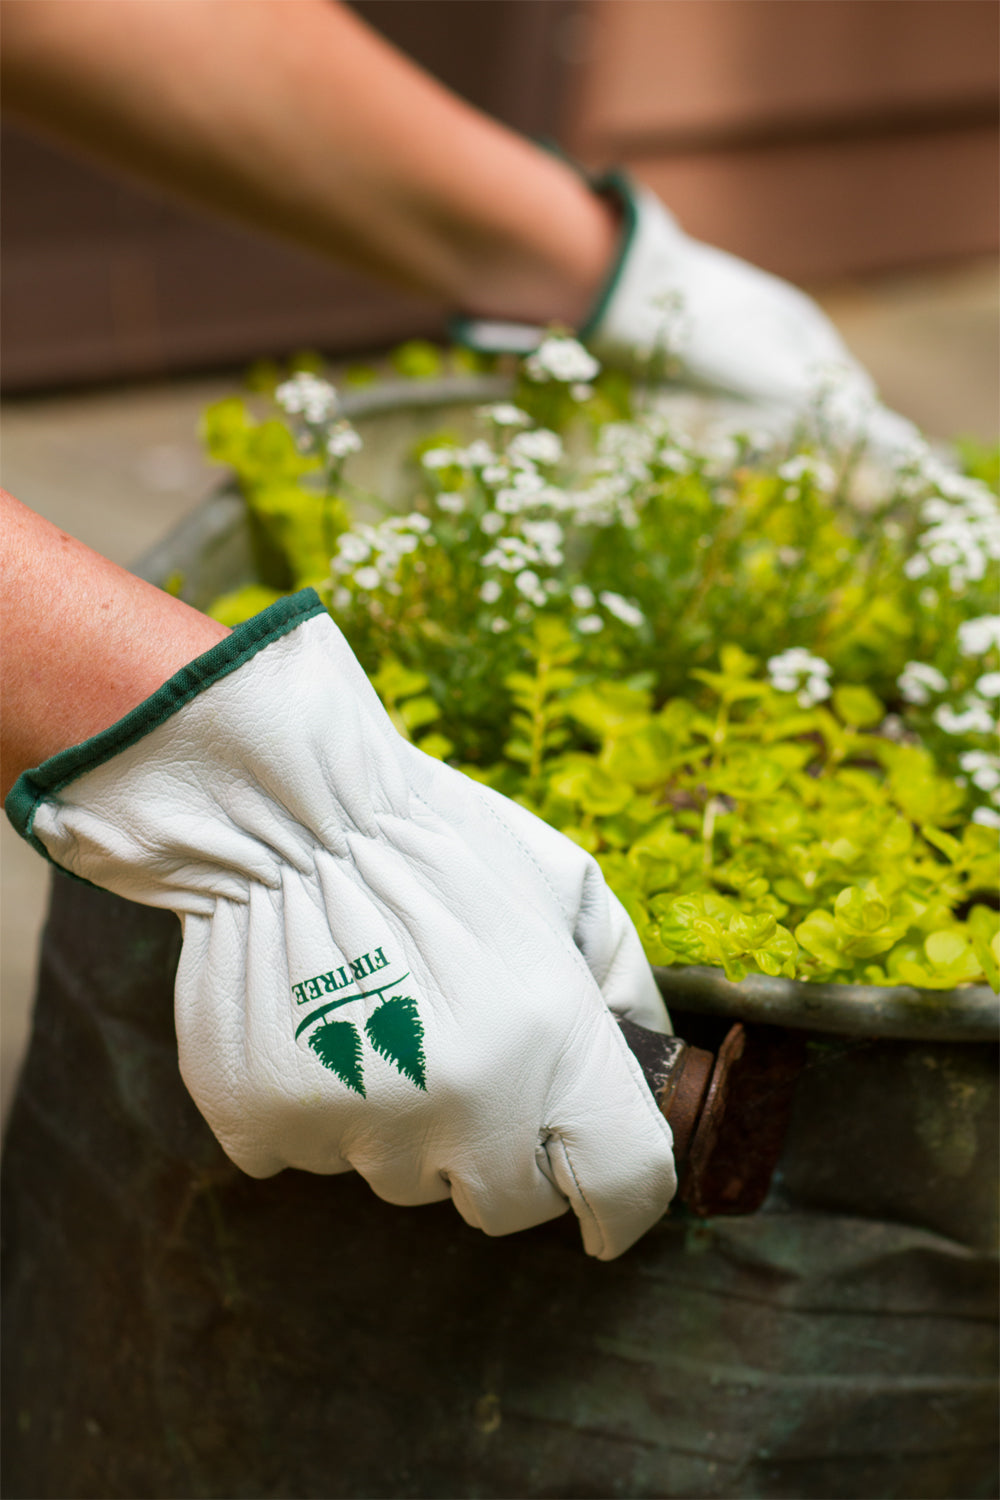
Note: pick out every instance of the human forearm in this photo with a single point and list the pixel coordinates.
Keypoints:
(295, 117)
(83, 640)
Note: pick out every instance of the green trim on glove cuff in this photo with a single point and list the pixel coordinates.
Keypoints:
(616, 185)
(33, 786)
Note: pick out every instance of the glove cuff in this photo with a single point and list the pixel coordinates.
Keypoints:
(34, 786)
(494, 336)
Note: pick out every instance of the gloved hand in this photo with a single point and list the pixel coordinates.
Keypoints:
(732, 328)
(385, 965)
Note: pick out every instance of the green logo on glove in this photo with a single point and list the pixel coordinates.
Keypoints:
(394, 1029)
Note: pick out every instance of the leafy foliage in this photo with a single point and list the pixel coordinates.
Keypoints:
(558, 613)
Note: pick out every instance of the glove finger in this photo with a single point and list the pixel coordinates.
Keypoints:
(609, 942)
(495, 1184)
(518, 1199)
(566, 883)
(609, 1149)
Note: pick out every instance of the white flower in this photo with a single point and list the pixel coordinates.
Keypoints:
(505, 414)
(915, 567)
(368, 578)
(528, 481)
(589, 624)
(343, 441)
(976, 719)
(615, 604)
(440, 458)
(451, 502)
(674, 460)
(341, 598)
(490, 591)
(308, 396)
(973, 493)
(973, 760)
(582, 597)
(799, 662)
(477, 454)
(559, 358)
(798, 671)
(494, 474)
(492, 523)
(580, 391)
(815, 690)
(499, 625)
(415, 522)
(975, 637)
(529, 584)
(918, 680)
(804, 466)
(987, 817)
(988, 686)
(540, 447)
(983, 768)
(545, 534)
(352, 548)
(509, 555)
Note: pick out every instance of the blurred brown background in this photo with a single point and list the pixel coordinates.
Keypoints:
(823, 139)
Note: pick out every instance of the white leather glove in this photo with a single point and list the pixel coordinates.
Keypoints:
(733, 328)
(385, 965)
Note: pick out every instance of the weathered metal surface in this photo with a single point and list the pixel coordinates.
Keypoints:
(728, 1110)
(678, 1076)
(683, 1099)
(741, 1135)
(970, 1014)
(174, 1328)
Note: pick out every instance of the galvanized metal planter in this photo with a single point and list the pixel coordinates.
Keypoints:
(176, 1329)
(970, 1014)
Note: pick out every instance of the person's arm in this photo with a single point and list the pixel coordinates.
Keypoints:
(295, 117)
(385, 966)
(83, 641)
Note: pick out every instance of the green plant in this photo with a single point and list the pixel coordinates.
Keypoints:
(557, 611)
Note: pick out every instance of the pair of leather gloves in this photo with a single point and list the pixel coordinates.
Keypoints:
(386, 966)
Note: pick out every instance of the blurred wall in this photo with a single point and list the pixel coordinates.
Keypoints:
(821, 138)
(102, 279)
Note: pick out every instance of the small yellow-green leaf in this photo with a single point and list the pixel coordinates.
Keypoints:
(857, 706)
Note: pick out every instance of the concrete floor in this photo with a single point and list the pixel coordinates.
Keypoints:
(119, 468)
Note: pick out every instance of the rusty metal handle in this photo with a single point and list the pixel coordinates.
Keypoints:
(728, 1112)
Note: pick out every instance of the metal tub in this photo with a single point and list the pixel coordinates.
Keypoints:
(175, 1328)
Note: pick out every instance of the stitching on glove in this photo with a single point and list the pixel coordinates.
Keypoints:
(525, 851)
(556, 1135)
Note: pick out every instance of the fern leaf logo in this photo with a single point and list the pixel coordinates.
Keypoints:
(338, 1047)
(394, 1029)
(396, 1032)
